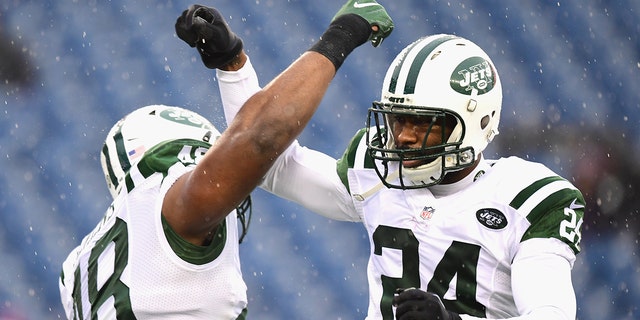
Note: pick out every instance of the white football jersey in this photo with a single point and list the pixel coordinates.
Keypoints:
(133, 266)
(461, 246)
(477, 248)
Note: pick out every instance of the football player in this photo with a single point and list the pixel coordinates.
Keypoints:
(167, 247)
(453, 235)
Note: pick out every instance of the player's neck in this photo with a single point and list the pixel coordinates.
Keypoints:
(457, 180)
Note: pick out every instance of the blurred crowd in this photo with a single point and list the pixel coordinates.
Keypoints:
(68, 71)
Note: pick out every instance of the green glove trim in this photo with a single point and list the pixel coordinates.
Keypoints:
(374, 13)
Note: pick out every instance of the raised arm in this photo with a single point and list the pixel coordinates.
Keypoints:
(266, 124)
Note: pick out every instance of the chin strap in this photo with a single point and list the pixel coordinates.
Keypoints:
(363, 196)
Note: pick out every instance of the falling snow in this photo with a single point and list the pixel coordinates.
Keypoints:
(70, 69)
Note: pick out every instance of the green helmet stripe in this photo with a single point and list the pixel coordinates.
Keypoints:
(416, 65)
(112, 175)
(396, 71)
(122, 152)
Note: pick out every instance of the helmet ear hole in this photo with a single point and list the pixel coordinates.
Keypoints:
(484, 122)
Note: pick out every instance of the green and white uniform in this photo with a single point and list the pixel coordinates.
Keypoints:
(499, 244)
(133, 266)
(462, 243)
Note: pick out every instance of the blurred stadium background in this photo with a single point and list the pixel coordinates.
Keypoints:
(70, 68)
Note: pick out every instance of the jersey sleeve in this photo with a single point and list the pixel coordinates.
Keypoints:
(551, 295)
(236, 87)
(554, 208)
(301, 175)
(309, 178)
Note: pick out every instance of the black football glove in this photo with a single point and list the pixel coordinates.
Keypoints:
(205, 28)
(414, 304)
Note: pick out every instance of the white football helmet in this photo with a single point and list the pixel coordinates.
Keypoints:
(444, 77)
(143, 129)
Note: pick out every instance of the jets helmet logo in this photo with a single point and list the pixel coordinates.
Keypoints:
(473, 73)
(184, 117)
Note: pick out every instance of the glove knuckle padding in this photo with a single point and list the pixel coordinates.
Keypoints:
(183, 31)
(205, 28)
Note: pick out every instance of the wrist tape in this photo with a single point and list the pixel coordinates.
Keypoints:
(344, 34)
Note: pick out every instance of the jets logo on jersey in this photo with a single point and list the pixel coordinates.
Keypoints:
(491, 218)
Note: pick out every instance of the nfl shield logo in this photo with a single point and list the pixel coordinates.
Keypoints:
(427, 213)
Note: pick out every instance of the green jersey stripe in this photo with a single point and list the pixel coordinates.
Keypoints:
(527, 192)
(77, 294)
(367, 161)
(543, 193)
(162, 157)
(243, 315)
(550, 203)
(349, 157)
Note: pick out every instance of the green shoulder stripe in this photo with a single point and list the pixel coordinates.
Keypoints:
(554, 208)
(355, 150)
(557, 200)
(163, 156)
(530, 190)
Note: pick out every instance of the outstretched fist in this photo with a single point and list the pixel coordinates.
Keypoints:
(374, 13)
(205, 29)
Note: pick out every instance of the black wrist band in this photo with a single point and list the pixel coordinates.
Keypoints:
(344, 34)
